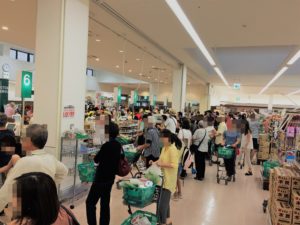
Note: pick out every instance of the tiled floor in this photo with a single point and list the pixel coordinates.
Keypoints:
(204, 203)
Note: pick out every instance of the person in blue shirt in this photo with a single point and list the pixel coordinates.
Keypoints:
(231, 138)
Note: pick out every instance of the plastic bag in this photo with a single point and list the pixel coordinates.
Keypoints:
(154, 174)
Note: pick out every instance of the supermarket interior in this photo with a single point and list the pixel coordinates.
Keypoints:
(135, 112)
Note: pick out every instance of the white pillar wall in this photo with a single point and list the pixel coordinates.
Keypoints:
(61, 59)
(179, 88)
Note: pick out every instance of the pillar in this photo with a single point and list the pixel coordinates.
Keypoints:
(179, 88)
(61, 61)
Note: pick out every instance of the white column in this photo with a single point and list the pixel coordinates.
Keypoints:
(179, 88)
(61, 58)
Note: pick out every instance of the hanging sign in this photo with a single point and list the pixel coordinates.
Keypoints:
(3, 93)
(26, 84)
(135, 97)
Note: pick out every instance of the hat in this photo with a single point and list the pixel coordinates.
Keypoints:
(172, 112)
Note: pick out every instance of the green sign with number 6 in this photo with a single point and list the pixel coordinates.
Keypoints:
(26, 88)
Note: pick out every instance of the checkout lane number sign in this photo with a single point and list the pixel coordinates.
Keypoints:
(26, 88)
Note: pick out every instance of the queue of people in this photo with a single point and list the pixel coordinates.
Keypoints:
(166, 145)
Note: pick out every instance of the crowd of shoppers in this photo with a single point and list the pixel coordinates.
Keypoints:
(34, 177)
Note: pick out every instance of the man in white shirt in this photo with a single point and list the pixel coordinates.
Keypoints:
(37, 160)
(170, 123)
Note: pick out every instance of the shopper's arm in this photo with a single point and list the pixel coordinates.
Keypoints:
(61, 172)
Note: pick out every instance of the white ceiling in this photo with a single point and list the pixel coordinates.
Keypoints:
(249, 39)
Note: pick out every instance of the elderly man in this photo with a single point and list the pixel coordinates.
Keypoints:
(152, 146)
(37, 160)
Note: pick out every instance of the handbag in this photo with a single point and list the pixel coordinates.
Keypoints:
(194, 148)
(124, 167)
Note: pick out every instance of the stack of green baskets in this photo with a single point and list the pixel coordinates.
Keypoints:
(138, 197)
(269, 165)
(226, 152)
(151, 217)
(86, 172)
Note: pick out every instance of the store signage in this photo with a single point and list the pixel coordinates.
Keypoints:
(236, 86)
(119, 97)
(153, 103)
(3, 93)
(69, 111)
(26, 84)
(135, 97)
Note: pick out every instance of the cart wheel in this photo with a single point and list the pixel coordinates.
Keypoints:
(210, 163)
(233, 179)
(218, 180)
(241, 167)
(72, 206)
(265, 210)
(226, 182)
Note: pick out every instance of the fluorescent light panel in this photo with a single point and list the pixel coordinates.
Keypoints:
(282, 71)
(294, 93)
(177, 10)
(294, 58)
(218, 71)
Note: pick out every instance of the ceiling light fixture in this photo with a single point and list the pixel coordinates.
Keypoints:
(97, 59)
(280, 72)
(117, 66)
(98, 40)
(130, 70)
(177, 10)
(140, 74)
(137, 59)
(4, 28)
(293, 93)
(294, 58)
(121, 51)
(219, 72)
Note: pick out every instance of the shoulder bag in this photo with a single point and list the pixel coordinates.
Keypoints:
(194, 148)
(124, 167)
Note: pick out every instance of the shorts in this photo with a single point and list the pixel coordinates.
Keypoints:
(255, 144)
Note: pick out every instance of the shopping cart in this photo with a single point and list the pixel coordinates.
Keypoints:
(140, 198)
(224, 153)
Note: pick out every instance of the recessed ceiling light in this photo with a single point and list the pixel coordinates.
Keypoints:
(137, 59)
(98, 40)
(117, 66)
(155, 79)
(130, 70)
(121, 51)
(140, 74)
(4, 28)
(149, 77)
(97, 59)
(153, 66)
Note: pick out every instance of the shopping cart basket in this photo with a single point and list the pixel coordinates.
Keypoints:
(224, 153)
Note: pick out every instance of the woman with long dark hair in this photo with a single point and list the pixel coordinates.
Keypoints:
(247, 146)
(35, 202)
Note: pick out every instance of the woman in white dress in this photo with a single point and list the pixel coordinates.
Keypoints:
(247, 146)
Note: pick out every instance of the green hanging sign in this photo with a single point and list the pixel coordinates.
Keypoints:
(154, 100)
(119, 99)
(26, 84)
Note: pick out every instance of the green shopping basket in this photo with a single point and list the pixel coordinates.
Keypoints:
(151, 217)
(138, 197)
(86, 172)
(226, 152)
(132, 157)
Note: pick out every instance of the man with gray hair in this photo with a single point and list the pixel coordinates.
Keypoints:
(37, 160)
(152, 146)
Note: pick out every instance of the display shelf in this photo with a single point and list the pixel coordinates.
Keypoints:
(269, 217)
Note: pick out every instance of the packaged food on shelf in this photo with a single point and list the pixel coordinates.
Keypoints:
(283, 177)
(295, 199)
(282, 212)
(296, 216)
